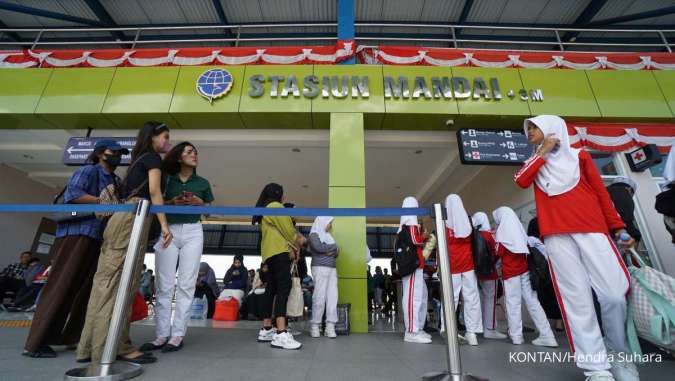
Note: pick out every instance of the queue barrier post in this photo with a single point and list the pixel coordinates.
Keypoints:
(109, 369)
(454, 371)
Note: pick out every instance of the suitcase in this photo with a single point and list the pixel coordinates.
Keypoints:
(342, 326)
(227, 310)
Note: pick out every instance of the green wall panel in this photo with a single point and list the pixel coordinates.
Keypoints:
(632, 94)
(566, 92)
(192, 110)
(373, 104)
(19, 96)
(347, 163)
(666, 81)
(509, 79)
(420, 105)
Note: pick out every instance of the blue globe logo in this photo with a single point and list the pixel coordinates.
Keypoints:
(214, 83)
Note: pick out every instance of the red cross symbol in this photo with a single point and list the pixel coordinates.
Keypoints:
(638, 156)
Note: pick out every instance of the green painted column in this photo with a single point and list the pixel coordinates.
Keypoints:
(347, 189)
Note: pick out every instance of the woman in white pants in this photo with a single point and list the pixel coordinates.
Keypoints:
(576, 217)
(184, 187)
(513, 250)
(325, 297)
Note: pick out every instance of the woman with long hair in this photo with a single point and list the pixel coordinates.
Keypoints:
(143, 181)
(182, 256)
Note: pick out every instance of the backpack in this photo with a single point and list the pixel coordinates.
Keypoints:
(483, 258)
(540, 277)
(665, 202)
(405, 254)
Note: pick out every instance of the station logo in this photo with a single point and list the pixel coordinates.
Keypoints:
(214, 83)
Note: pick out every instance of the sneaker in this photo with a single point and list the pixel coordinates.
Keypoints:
(416, 338)
(600, 376)
(285, 341)
(494, 334)
(461, 339)
(330, 331)
(545, 342)
(471, 338)
(314, 331)
(266, 335)
(428, 336)
(623, 370)
(517, 341)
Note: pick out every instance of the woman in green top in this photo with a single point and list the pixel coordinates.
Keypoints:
(184, 187)
(278, 250)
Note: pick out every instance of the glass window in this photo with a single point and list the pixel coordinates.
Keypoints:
(605, 163)
(657, 170)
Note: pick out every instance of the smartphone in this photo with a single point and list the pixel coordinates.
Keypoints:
(187, 195)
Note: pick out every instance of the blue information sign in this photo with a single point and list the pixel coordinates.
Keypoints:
(493, 147)
(78, 149)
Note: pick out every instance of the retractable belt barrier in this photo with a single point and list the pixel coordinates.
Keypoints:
(109, 369)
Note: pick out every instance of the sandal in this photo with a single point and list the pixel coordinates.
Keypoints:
(172, 348)
(151, 346)
(145, 358)
(44, 351)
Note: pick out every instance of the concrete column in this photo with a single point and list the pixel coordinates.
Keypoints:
(345, 27)
(347, 189)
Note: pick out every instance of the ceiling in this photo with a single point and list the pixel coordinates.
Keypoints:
(642, 14)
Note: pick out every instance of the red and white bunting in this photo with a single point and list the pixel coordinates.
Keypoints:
(404, 55)
(179, 57)
(616, 137)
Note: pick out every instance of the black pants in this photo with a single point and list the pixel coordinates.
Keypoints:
(202, 290)
(278, 286)
(10, 284)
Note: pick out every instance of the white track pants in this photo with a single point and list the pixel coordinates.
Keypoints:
(579, 262)
(467, 284)
(516, 290)
(414, 301)
(325, 296)
(187, 245)
(488, 300)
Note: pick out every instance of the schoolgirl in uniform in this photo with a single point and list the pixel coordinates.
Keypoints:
(488, 283)
(458, 229)
(512, 249)
(577, 222)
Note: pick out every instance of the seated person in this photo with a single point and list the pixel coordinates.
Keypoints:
(207, 286)
(235, 280)
(12, 277)
(36, 275)
(253, 304)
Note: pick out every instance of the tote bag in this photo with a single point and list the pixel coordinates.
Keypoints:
(295, 307)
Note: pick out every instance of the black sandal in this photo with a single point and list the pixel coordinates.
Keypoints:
(145, 358)
(44, 352)
(149, 347)
(172, 348)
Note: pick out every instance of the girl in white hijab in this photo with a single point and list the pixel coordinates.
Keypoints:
(325, 297)
(577, 220)
(488, 283)
(512, 248)
(458, 230)
(414, 288)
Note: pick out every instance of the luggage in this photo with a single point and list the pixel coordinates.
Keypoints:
(651, 306)
(342, 326)
(227, 310)
(139, 310)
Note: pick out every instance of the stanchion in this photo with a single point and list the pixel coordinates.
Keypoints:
(454, 371)
(109, 369)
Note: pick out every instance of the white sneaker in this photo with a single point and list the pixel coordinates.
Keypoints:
(601, 376)
(623, 370)
(545, 342)
(265, 336)
(330, 331)
(424, 334)
(461, 339)
(314, 331)
(471, 338)
(285, 341)
(494, 334)
(518, 341)
(416, 338)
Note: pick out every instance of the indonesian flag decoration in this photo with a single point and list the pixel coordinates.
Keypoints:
(410, 55)
(617, 137)
(285, 55)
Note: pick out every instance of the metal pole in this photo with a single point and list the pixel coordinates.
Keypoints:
(138, 34)
(454, 372)
(454, 37)
(557, 37)
(665, 41)
(37, 38)
(108, 369)
(236, 43)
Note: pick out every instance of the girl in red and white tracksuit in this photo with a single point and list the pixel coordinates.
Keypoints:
(488, 283)
(415, 295)
(576, 217)
(513, 250)
(458, 229)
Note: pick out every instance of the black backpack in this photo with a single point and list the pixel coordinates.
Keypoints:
(540, 277)
(405, 253)
(665, 202)
(483, 258)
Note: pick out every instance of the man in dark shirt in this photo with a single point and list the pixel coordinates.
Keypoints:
(12, 277)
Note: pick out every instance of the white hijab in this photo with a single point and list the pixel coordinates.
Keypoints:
(319, 227)
(457, 220)
(510, 231)
(669, 170)
(561, 171)
(481, 221)
(409, 202)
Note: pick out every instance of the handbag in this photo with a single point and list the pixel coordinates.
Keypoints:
(70, 217)
(295, 307)
(651, 306)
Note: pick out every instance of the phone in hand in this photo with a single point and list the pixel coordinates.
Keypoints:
(187, 196)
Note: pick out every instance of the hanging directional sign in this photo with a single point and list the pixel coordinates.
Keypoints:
(493, 147)
(78, 149)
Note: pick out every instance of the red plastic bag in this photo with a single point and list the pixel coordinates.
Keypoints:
(139, 309)
(227, 310)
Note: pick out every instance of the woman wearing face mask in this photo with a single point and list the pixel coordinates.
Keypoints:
(143, 181)
(184, 187)
(78, 245)
(324, 252)
(576, 217)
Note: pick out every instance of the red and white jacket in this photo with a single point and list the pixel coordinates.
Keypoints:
(459, 252)
(586, 208)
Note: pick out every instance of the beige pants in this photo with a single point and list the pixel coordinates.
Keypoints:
(106, 282)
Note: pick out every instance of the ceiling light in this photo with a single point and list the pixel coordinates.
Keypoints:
(295, 149)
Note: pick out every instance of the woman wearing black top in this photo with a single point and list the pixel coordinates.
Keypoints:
(143, 181)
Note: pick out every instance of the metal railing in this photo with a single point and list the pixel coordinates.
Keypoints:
(456, 35)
